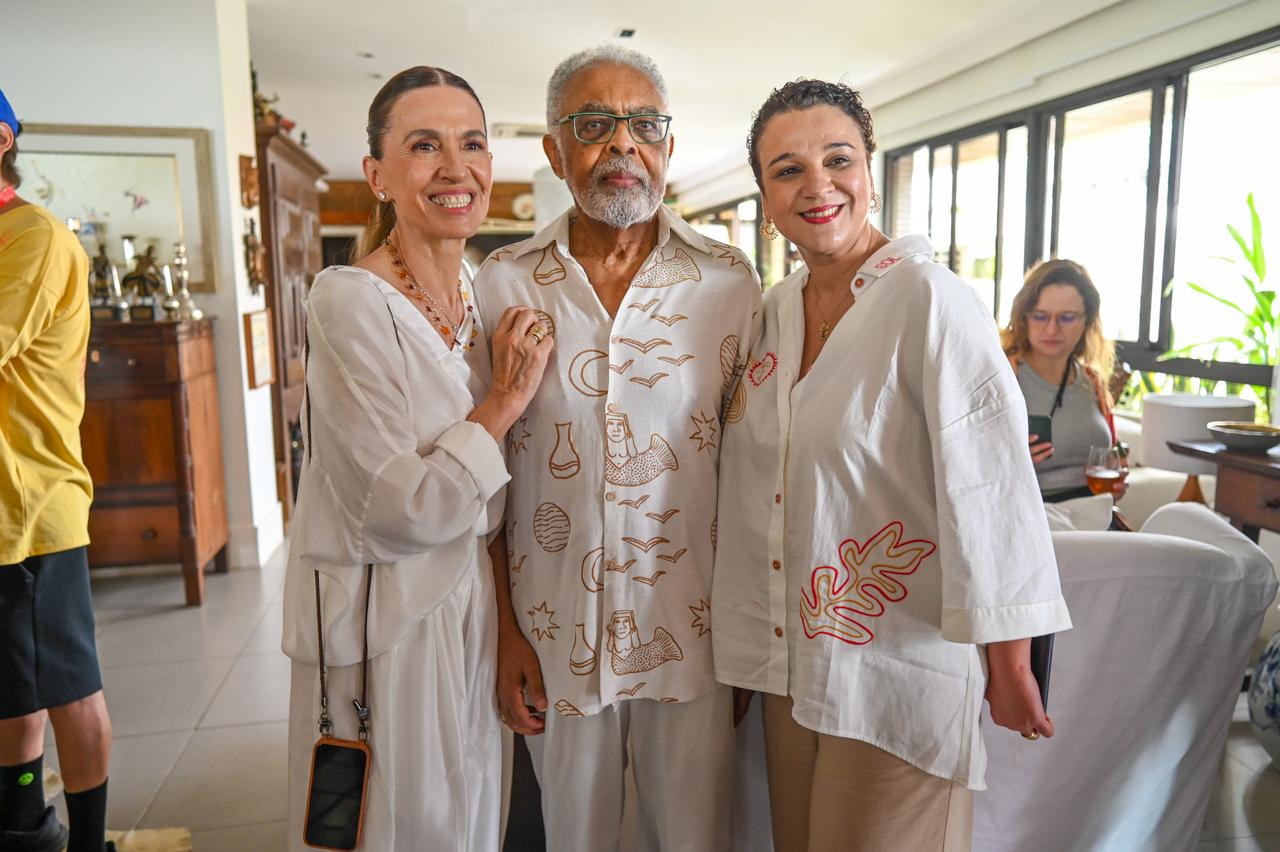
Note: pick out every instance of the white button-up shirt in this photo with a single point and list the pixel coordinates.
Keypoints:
(879, 518)
(611, 508)
(394, 475)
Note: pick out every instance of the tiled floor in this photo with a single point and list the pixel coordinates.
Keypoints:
(199, 699)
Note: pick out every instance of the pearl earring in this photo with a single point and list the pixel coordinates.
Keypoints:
(382, 196)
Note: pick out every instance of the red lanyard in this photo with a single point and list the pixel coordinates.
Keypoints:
(7, 194)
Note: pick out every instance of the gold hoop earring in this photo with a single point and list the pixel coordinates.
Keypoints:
(875, 202)
(769, 230)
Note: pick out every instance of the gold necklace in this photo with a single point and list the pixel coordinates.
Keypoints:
(450, 329)
(825, 326)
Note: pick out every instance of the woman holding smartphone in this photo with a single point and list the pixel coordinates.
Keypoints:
(883, 558)
(1062, 360)
(404, 418)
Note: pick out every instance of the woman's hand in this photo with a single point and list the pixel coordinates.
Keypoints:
(1118, 490)
(1012, 691)
(519, 361)
(519, 681)
(1040, 450)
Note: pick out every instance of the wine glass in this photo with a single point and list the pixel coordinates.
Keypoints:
(1106, 469)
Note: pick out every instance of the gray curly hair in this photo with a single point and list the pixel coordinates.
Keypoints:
(611, 54)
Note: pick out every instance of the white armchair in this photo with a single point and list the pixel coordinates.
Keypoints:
(1142, 691)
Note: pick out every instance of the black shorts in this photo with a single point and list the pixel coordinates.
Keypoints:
(48, 657)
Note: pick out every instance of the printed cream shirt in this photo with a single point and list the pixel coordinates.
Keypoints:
(879, 519)
(611, 512)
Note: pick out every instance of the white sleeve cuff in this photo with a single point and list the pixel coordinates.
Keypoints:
(1004, 623)
(474, 448)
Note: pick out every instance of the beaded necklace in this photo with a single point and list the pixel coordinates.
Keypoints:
(451, 329)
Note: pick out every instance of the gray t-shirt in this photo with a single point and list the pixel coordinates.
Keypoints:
(1077, 426)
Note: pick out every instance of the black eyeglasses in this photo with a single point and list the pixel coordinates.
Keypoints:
(597, 128)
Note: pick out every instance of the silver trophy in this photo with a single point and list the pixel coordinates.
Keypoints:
(172, 304)
(116, 301)
(186, 308)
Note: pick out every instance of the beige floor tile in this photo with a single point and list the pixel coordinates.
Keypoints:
(167, 634)
(265, 837)
(153, 698)
(227, 777)
(256, 690)
(266, 637)
(139, 766)
(1246, 803)
(1243, 745)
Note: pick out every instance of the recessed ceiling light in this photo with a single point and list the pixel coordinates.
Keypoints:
(364, 54)
(626, 32)
(374, 75)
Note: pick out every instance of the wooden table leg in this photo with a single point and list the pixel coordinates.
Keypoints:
(220, 562)
(193, 579)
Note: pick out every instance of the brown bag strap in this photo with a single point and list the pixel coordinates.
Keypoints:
(361, 704)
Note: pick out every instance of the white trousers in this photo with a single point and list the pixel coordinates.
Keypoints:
(676, 796)
(436, 740)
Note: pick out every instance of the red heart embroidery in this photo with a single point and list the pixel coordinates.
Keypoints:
(762, 369)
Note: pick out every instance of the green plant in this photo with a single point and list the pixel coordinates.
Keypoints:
(1259, 339)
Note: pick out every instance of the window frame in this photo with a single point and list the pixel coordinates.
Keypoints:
(1143, 353)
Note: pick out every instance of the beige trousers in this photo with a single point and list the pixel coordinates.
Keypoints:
(832, 794)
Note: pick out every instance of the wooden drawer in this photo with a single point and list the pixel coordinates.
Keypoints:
(134, 536)
(1247, 498)
(127, 362)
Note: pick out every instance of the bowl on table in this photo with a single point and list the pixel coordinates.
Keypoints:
(1245, 437)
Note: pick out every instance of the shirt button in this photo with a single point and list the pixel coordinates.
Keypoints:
(610, 496)
(858, 282)
(777, 566)
(777, 498)
(777, 631)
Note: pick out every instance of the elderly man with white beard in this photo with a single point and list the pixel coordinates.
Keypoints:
(604, 571)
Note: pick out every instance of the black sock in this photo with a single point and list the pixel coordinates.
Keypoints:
(87, 813)
(22, 795)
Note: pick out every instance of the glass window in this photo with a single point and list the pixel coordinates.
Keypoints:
(909, 177)
(1102, 203)
(940, 206)
(1229, 152)
(977, 199)
(1013, 247)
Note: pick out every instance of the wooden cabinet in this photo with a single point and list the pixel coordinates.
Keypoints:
(152, 442)
(290, 213)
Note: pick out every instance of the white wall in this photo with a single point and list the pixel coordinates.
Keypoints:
(1116, 41)
(169, 63)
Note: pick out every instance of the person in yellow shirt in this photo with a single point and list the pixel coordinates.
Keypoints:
(48, 657)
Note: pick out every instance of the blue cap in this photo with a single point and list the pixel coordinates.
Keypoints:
(7, 116)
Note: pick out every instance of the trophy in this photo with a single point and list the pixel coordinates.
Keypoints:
(144, 282)
(187, 309)
(115, 306)
(172, 305)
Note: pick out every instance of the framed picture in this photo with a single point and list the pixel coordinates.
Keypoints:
(258, 350)
(154, 184)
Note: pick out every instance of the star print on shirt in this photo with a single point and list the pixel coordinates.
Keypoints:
(543, 623)
(701, 617)
(518, 435)
(704, 431)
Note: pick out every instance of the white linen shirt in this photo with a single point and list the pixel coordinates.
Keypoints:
(879, 519)
(394, 474)
(611, 507)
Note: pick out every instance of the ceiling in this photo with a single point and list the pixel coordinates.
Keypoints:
(720, 58)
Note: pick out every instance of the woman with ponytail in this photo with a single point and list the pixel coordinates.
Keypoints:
(389, 595)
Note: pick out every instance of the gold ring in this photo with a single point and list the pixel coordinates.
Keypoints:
(537, 332)
(1034, 735)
